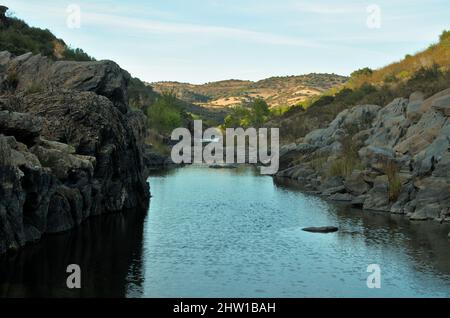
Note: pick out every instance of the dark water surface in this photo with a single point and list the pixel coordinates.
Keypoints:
(232, 233)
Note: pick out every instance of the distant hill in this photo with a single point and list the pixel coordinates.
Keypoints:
(277, 91)
(427, 71)
(17, 37)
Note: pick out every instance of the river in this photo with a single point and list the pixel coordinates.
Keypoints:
(234, 233)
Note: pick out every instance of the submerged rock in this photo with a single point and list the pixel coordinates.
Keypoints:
(223, 166)
(324, 229)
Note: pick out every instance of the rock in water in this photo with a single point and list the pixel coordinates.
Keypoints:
(324, 229)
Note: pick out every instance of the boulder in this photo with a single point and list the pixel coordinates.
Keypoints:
(332, 182)
(407, 192)
(355, 119)
(64, 148)
(24, 127)
(331, 191)
(428, 103)
(103, 78)
(343, 197)
(378, 197)
(358, 202)
(428, 127)
(442, 169)
(425, 161)
(63, 164)
(355, 184)
(417, 96)
(442, 105)
(390, 124)
(413, 110)
(376, 157)
(324, 229)
(432, 197)
(412, 145)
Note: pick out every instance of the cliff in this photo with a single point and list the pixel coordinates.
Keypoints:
(70, 146)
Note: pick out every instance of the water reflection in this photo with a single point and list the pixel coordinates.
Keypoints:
(107, 248)
(424, 242)
(233, 233)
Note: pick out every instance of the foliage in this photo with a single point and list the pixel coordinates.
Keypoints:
(349, 160)
(140, 96)
(35, 88)
(165, 114)
(362, 72)
(19, 38)
(253, 114)
(395, 183)
(12, 80)
(71, 54)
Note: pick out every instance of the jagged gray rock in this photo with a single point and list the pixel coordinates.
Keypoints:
(73, 148)
(404, 154)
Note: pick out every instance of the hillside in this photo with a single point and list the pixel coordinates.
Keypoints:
(427, 71)
(18, 38)
(436, 54)
(277, 91)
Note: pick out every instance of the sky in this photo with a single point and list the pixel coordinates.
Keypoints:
(201, 41)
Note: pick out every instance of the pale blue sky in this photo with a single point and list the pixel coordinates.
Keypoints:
(207, 40)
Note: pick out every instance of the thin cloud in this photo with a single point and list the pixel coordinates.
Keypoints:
(327, 9)
(159, 27)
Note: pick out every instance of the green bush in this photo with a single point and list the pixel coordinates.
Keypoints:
(253, 114)
(19, 38)
(395, 183)
(34, 88)
(165, 115)
(12, 81)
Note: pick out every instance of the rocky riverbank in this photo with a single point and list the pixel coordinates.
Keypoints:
(394, 158)
(70, 146)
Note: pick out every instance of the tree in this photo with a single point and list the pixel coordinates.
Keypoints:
(362, 72)
(260, 112)
(445, 36)
(164, 115)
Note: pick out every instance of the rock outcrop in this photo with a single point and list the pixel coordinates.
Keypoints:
(70, 147)
(393, 159)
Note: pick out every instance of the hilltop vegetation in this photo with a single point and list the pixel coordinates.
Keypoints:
(276, 91)
(437, 54)
(427, 71)
(19, 38)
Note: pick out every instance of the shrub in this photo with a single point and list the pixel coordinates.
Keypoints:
(318, 161)
(349, 161)
(253, 114)
(165, 115)
(395, 183)
(34, 88)
(12, 81)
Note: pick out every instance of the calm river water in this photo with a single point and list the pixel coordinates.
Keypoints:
(233, 233)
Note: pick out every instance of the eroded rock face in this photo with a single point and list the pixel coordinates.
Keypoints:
(402, 163)
(356, 118)
(68, 150)
(39, 73)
